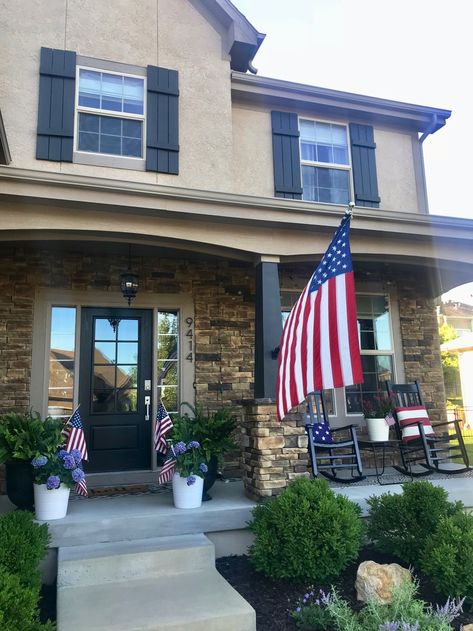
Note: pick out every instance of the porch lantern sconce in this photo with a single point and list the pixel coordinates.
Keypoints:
(129, 282)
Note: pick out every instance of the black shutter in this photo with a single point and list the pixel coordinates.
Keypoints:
(286, 155)
(364, 165)
(162, 121)
(56, 105)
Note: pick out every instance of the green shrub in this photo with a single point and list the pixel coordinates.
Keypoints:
(400, 524)
(307, 533)
(448, 556)
(19, 605)
(405, 613)
(23, 544)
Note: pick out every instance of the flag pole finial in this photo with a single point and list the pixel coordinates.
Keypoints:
(349, 210)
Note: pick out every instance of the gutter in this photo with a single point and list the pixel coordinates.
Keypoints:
(434, 126)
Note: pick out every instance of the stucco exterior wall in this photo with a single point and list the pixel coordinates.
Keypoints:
(224, 146)
(168, 33)
(396, 170)
(253, 157)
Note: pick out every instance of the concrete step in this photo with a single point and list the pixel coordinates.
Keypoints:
(161, 584)
(125, 560)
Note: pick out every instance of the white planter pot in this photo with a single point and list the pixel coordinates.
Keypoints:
(187, 496)
(378, 429)
(50, 503)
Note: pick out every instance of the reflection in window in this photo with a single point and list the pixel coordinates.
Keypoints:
(61, 361)
(115, 366)
(377, 357)
(168, 359)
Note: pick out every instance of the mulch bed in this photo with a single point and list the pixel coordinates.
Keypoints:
(273, 600)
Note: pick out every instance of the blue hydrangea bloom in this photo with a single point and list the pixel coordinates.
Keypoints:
(39, 461)
(62, 453)
(194, 444)
(180, 448)
(78, 475)
(75, 453)
(191, 480)
(53, 482)
(203, 467)
(69, 462)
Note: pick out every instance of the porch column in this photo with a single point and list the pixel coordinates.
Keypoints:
(268, 326)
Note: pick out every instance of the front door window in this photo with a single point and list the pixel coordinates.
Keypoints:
(114, 387)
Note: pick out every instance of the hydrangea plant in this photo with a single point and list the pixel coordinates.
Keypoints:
(62, 468)
(188, 459)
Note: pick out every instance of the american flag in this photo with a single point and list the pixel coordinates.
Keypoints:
(319, 346)
(161, 428)
(167, 470)
(73, 434)
(81, 488)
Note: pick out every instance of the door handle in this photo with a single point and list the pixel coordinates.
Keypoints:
(147, 406)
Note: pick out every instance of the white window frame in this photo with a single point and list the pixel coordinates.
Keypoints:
(384, 352)
(328, 165)
(108, 159)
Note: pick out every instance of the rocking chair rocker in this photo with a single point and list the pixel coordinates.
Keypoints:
(431, 447)
(327, 456)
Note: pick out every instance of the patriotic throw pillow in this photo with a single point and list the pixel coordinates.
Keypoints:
(408, 415)
(322, 434)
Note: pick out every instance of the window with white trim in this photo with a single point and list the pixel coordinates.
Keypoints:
(377, 350)
(325, 162)
(110, 113)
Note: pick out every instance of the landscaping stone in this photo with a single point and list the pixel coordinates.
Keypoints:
(373, 579)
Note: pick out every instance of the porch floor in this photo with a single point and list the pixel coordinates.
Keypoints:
(130, 517)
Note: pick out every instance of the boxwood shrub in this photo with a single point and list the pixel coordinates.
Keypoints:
(307, 533)
(23, 544)
(448, 557)
(400, 524)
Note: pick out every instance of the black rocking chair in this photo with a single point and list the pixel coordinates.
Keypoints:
(327, 456)
(430, 451)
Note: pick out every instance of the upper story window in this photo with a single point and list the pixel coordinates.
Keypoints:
(325, 162)
(110, 113)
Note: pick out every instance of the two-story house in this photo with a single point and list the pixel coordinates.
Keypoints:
(161, 207)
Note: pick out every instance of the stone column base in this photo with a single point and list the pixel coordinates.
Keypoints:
(274, 452)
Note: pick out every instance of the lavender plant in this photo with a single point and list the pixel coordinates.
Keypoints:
(320, 612)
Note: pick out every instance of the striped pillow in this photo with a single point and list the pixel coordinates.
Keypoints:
(408, 415)
(322, 434)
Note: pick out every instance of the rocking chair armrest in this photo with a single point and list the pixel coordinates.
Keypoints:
(453, 422)
(339, 429)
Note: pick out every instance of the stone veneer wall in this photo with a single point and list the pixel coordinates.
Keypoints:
(275, 453)
(222, 292)
(223, 295)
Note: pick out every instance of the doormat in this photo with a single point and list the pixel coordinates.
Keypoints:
(128, 489)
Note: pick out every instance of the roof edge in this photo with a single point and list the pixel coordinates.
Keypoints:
(260, 86)
(242, 38)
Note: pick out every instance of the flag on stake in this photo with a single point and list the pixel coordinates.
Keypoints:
(161, 428)
(319, 345)
(73, 434)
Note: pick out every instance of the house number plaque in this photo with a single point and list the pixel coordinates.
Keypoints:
(190, 339)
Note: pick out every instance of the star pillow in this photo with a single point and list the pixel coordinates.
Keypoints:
(407, 416)
(322, 434)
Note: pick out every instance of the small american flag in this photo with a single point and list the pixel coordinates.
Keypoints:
(319, 345)
(161, 428)
(81, 488)
(73, 434)
(167, 470)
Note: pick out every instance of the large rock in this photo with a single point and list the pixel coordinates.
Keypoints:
(467, 627)
(373, 579)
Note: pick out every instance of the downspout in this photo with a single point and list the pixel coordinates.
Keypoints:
(423, 200)
(431, 128)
